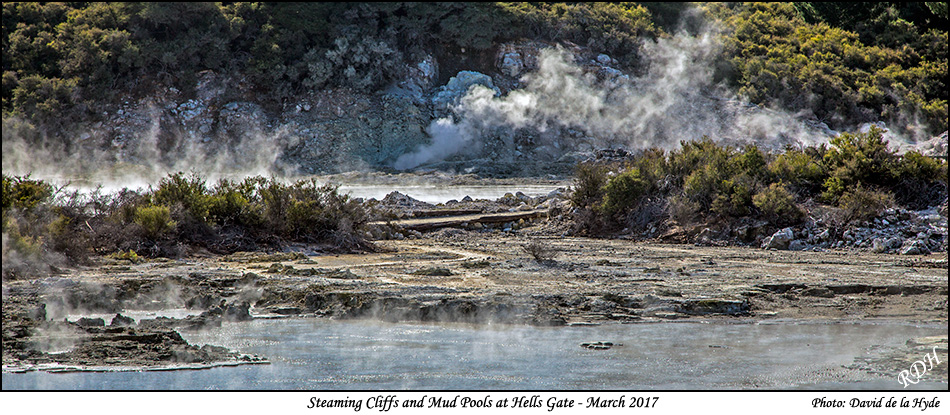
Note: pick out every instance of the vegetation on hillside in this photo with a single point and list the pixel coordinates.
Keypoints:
(846, 62)
(891, 65)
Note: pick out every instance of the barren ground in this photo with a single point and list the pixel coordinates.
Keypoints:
(457, 275)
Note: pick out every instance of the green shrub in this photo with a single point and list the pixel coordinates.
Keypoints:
(802, 170)
(622, 191)
(230, 204)
(25, 245)
(880, 67)
(921, 181)
(589, 181)
(777, 205)
(696, 155)
(705, 185)
(858, 158)
(156, 221)
(734, 199)
(863, 204)
(915, 166)
(24, 193)
(188, 192)
(129, 255)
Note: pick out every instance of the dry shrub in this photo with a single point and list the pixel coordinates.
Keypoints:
(540, 251)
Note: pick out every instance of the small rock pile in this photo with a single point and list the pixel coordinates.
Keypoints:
(896, 231)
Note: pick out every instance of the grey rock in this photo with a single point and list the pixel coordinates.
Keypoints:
(453, 91)
(122, 321)
(797, 245)
(893, 242)
(779, 240)
(91, 322)
(878, 246)
(914, 247)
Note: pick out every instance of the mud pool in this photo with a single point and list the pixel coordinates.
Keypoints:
(321, 354)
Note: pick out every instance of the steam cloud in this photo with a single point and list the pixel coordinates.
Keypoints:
(137, 159)
(676, 100)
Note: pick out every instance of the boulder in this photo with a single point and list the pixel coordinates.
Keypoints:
(511, 63)
(91, 322)
(797, 245)
(779, 240)
(914, 247)
(453, 91)
(122, 321)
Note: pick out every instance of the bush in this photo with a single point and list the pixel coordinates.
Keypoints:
(622, 192)
(24, 193)
(734, 199)
(539, 251)
(858, 158)
(589, 181)
(803, 170)
(156, 221)
(880, 67)
(777, 204)
(864, 204)
(190, 193)
(921, 181)
(230, 204)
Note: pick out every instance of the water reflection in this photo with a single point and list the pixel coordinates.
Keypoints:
(326, 355)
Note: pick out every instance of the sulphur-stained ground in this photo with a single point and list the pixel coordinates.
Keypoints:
(521, 276)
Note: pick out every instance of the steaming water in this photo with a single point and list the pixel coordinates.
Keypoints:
(324, 354)
(442, 194)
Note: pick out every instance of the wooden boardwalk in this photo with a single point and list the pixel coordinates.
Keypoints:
(455, 221)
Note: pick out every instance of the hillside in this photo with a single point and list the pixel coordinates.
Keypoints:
(278, 88)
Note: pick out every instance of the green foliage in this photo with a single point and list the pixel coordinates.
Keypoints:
(183, 210)
(230, 204)
(703, 182)
(43, 98)
(921, 180)
(622, 191)
(858, 158)
(190, 193)
(23, 193)
(863, 204)
(848, 63)
(27, 246)
(916, 166)
(589, 181)
(803, 170)
(129, 255)
(156, 221)
(613, 28)
(733, 200)
(778, 205)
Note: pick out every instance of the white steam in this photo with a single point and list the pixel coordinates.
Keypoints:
(142, 153)
(676, 100)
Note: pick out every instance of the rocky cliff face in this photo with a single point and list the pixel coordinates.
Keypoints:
(534, 112)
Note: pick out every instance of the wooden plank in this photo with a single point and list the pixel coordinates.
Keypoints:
(427, 224)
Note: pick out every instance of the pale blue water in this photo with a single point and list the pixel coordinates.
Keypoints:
(319, 354)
